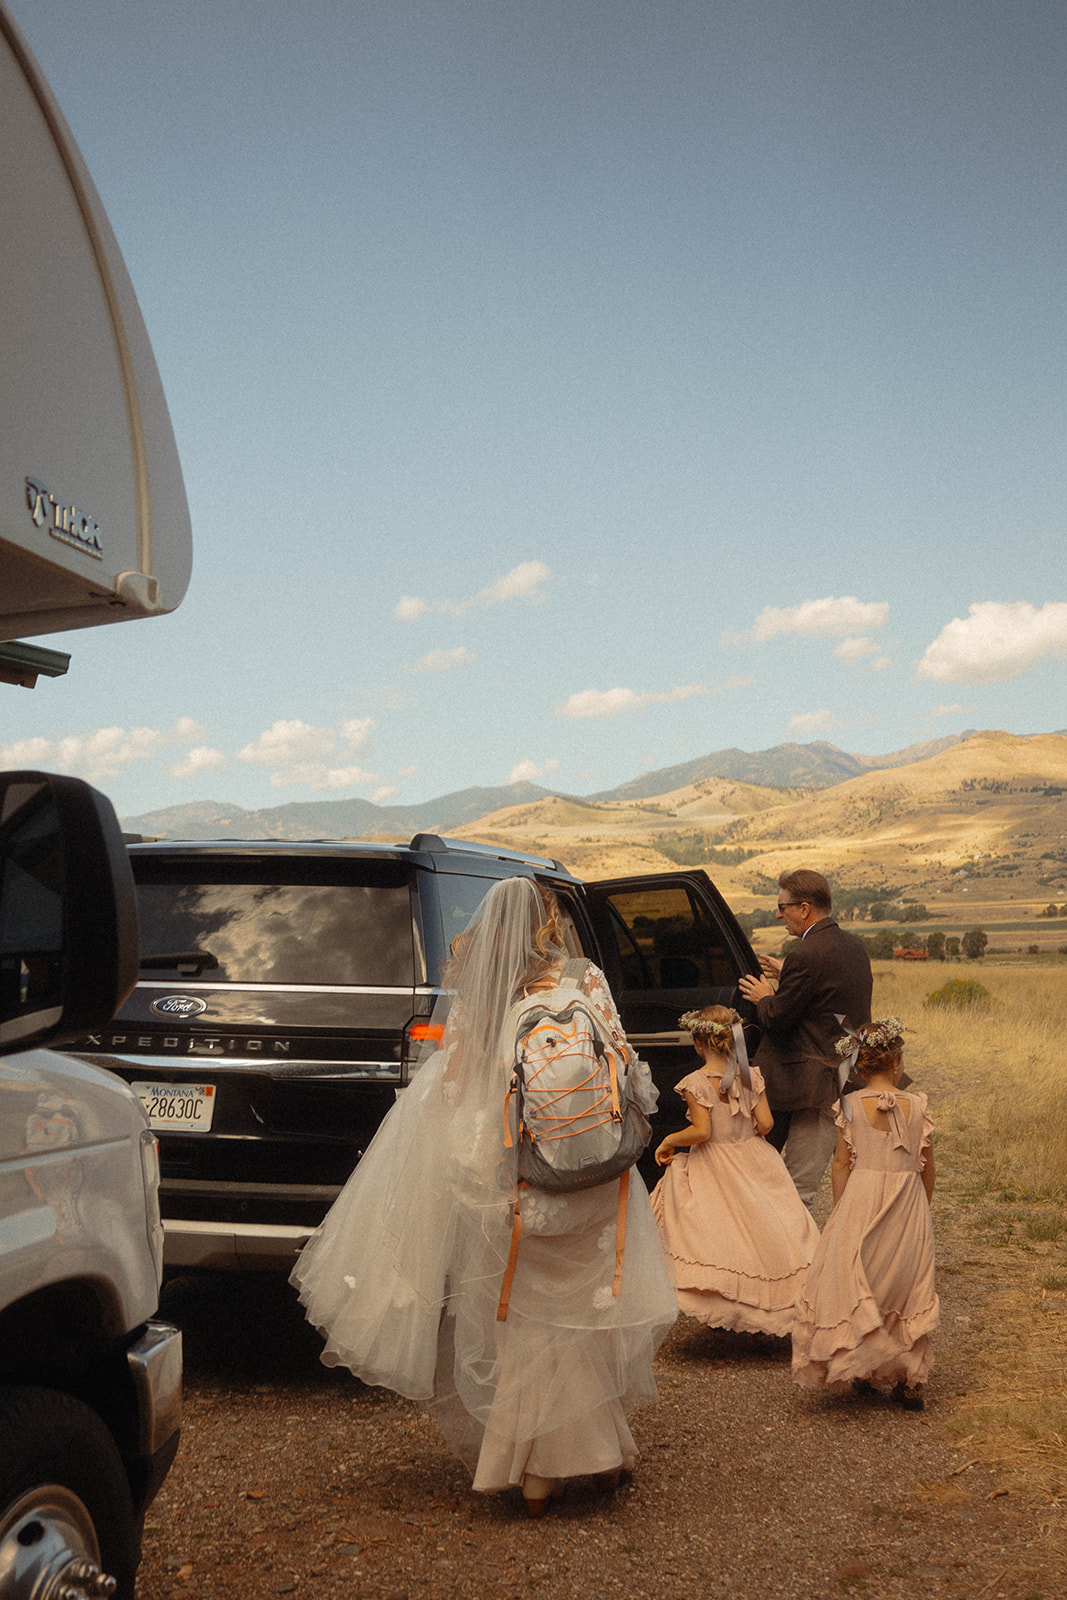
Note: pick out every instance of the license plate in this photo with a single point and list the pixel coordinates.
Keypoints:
(186, 1107)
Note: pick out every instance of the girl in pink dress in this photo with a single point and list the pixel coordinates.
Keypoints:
(868, 1304)
(738, 1236)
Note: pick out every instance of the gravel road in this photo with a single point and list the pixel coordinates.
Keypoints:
(293, 1479)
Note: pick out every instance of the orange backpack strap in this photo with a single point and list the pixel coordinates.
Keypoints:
(513, 1256)
(508, 1141)
(516, 1240)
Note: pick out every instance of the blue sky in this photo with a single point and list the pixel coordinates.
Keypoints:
(565, 390)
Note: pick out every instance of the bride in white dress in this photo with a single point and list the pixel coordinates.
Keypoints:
(404, 1276)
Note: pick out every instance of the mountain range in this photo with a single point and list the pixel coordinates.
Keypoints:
(790, 767)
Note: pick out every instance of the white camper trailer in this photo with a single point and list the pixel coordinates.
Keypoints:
(93, 528)
(94, 525)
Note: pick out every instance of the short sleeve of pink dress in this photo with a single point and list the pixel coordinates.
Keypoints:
(739, 1098)
(699, 1087)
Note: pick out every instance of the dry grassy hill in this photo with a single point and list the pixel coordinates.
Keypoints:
(979, 829)
(989, 815)
(600, 839)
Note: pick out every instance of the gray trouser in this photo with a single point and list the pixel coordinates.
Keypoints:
(808, 1148)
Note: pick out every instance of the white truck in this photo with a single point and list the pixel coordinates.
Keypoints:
(94, 528)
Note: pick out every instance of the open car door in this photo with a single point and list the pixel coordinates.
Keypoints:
(669, 944)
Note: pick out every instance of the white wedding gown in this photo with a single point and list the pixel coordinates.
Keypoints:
(403, 1281)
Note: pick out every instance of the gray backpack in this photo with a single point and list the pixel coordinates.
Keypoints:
(571, 1112)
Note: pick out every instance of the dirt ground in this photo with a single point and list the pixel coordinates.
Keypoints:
(293, 1479)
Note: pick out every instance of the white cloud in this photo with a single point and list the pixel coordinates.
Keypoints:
(858, 650)
(821, 619)
(527, 771)
(285, 743)
(317, 775)
(299, 754)
(27, 753)
(742, 681)
(999, 640)
(356, 733)
(524, 582)
(442, 660)
(201, 758)
(814, 722)
(386, 792)
(954, 710)
(98, 756)
(615, 702)
(406, 772)
(855, 649)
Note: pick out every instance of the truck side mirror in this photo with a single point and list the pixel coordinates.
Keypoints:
(69, 937)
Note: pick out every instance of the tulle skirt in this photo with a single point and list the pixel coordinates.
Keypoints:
(403, 1281)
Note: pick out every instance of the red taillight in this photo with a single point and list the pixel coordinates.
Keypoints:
(417, 1035)
(426, 1032)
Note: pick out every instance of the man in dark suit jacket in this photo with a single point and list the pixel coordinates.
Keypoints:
(827, 973)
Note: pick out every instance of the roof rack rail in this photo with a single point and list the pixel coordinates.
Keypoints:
(434, 844)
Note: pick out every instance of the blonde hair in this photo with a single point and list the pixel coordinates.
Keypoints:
(548, 942)
(711, 1025)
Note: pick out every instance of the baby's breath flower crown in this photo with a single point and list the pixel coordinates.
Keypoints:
(885, 1034)
(720, 1034)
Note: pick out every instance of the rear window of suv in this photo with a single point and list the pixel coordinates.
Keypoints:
(295, 921)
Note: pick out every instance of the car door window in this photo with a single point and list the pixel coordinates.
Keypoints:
(666, 941)
(459, 896)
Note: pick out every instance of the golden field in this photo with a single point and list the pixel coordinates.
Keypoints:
(996, 1081)
(998, 1067)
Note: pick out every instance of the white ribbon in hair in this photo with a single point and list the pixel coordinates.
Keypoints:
(738, 1059)
(848, 1063)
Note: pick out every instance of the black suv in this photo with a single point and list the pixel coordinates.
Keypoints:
(285, 994)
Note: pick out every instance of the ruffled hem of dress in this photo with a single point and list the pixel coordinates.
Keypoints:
(739, 1301)
(891, 1350)
(760, 1287)
(715, 1311)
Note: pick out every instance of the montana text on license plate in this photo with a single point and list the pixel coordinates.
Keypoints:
(186, 1106)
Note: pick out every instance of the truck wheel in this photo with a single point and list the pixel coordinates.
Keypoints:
(66, 1519)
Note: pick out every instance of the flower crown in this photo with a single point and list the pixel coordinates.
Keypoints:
(703, 1028)
(881, 1035)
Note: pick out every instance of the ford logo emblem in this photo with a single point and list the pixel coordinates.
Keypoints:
(179, 1005)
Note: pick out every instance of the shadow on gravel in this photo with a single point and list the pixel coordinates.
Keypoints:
(690, 1340)
(246, 1328)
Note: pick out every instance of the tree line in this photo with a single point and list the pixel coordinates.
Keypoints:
(939, 946)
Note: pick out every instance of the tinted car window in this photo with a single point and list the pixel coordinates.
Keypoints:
(460, 897)
(277, 932)
(666, 942)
